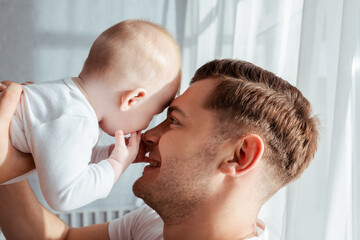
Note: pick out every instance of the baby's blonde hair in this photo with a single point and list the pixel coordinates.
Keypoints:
(132, 45)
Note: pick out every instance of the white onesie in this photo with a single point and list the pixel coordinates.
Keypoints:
(57, 125)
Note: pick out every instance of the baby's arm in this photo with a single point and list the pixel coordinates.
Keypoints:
(62, 149)
(123, 155)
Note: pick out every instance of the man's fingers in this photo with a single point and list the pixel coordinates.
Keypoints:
(27, 83)
(9, 100)
(6, 83)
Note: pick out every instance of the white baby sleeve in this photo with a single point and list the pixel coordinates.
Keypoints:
(99, 152)
(62, 151)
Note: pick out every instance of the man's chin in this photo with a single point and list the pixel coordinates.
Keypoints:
(145, 190)
(138, 187)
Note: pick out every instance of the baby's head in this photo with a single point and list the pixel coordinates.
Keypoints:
(133, 72)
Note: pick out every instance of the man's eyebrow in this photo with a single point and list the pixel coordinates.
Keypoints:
(175, 109)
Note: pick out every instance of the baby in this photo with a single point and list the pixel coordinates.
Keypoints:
(132, 73)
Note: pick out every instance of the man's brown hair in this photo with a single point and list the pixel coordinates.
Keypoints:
(249, 99)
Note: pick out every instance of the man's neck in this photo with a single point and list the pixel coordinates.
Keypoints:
(232, 221)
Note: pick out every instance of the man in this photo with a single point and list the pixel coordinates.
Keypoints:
(232, 140)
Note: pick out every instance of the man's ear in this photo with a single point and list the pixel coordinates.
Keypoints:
(247, 151)
(130, 98)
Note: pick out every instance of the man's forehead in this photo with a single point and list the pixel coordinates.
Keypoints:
(193, 99)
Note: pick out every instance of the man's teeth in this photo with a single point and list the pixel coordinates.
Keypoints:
(154, 163)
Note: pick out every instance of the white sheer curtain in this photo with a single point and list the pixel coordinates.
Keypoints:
(327, 198)
(315, 45)
(331, 81)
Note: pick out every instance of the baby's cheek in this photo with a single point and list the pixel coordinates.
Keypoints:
(146, 124)
(146, 121)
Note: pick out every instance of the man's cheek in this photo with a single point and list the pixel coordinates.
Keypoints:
(166, 144)
(175, 143)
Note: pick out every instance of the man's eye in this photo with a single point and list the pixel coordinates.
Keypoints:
(173, 121)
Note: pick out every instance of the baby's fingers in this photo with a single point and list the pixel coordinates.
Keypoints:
(134, 140)
(119, 140)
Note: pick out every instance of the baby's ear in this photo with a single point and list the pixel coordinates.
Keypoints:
(130, 98)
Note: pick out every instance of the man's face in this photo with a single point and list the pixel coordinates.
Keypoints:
(182, 156)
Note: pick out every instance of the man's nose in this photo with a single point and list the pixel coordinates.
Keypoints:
(152, 136)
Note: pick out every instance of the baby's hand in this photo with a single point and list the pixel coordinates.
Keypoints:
(112, 146)
(124, 153)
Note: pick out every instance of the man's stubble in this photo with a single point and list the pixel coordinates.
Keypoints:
(180, 190)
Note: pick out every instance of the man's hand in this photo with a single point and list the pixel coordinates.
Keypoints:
(8, 102)
(12, 162)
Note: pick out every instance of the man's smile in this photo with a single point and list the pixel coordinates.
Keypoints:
(154, 163)
(152, 160)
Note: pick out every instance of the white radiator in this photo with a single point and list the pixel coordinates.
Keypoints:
(85, 218)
